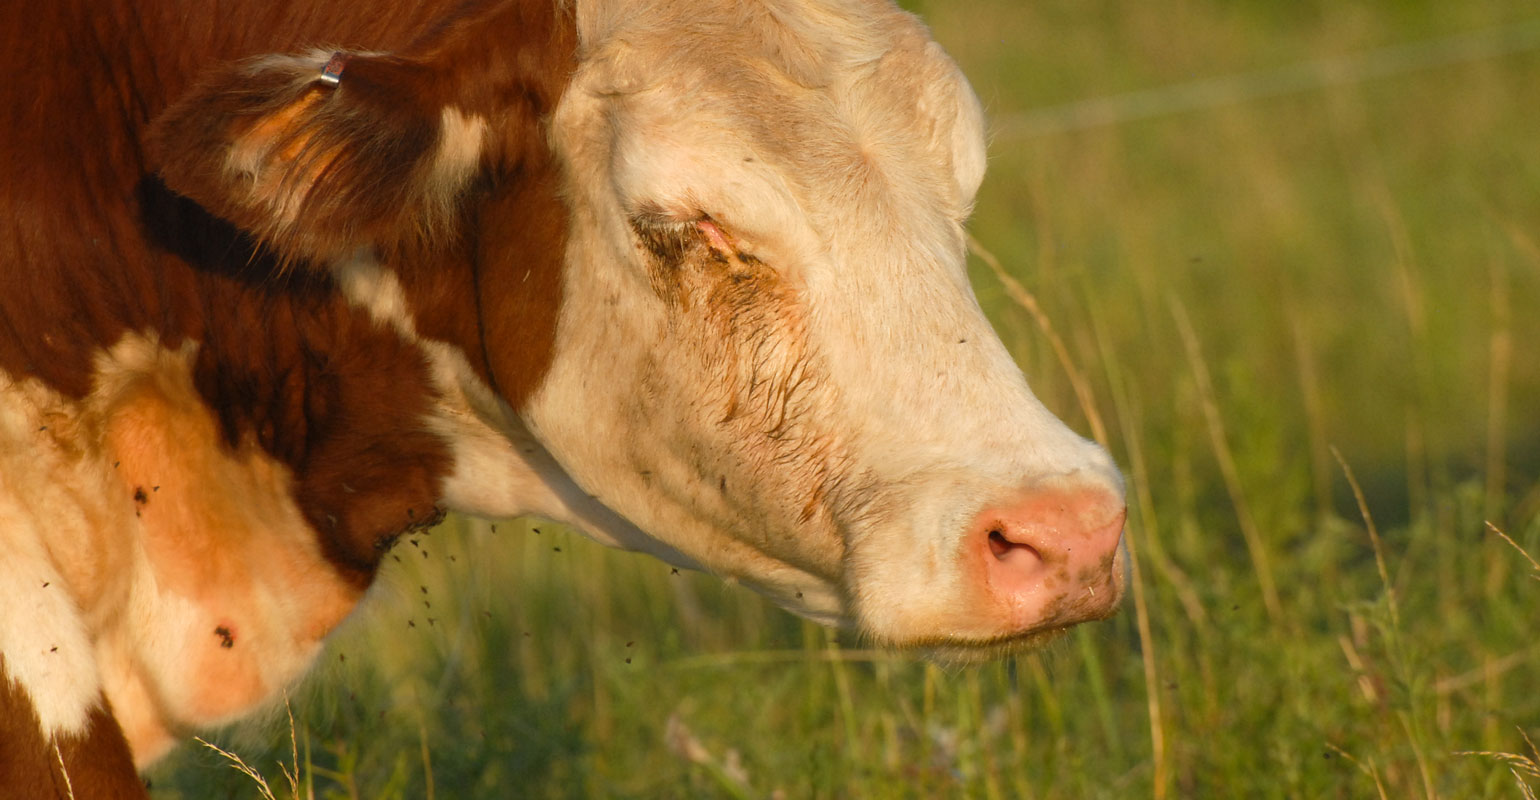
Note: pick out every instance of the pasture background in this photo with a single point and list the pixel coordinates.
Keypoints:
(1335, 247)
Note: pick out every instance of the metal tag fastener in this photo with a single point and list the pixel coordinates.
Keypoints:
(331, 74)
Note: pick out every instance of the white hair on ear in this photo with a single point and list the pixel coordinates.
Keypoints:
(969, 156)
(960, 118)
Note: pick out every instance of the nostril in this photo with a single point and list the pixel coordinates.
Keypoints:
(1002, 548)
(1048, 556)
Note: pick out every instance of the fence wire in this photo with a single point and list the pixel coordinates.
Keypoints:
(1244, 87)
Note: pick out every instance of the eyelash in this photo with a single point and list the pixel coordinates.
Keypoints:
(651, 217)
(669, 238)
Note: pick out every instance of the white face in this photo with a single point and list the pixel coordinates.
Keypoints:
(769, 357)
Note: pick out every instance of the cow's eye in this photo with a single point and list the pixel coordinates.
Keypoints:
(716, 238)
(670, 238)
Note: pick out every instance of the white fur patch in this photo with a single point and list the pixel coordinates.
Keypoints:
(43, 635)
(461, 136)
(43, 639)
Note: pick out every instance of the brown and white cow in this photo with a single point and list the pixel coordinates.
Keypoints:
(686, 274)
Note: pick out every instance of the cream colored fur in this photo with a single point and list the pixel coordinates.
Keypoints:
(840, 149)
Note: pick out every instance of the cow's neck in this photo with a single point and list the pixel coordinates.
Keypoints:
(499, 469)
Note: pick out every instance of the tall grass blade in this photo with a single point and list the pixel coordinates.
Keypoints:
(1146, 530)
(1024, 298)
(1219, 441)
(1374, 538)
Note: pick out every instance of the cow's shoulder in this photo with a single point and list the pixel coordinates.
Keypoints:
(206, 447)
(170, 559)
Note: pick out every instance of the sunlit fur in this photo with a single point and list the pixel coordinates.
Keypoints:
(698, 288)
(819, 411)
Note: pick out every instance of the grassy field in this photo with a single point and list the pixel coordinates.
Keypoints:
(1288, 232)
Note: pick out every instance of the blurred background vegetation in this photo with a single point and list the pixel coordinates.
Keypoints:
(1233, 238)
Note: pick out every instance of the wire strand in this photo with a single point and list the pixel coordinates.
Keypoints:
(1243, 87)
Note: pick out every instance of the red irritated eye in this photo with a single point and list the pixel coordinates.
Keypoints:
(715, 237)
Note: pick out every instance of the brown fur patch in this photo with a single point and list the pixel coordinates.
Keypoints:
(319, 172)
(321, 387)
(93, 248)
(317, 383)
(97, 762)
(314, 172)
(522, 239)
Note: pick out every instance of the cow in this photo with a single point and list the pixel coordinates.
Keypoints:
(281, 281)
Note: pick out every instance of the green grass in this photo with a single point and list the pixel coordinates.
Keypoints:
(1241, 286)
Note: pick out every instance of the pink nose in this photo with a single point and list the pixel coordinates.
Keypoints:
(1050, 556)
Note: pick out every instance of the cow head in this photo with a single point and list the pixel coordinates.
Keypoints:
(765, 355)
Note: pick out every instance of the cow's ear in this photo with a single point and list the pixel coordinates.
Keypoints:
(956, 119)
(321, 154)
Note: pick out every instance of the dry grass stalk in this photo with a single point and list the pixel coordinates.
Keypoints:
(1021, 296)
(290, 771)
(1220, 441)
(1368, 769)
(1532, 562)
(239, 764)
(1522, 766)
(1374, 537)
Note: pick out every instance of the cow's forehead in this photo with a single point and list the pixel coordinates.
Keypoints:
(861, 123)
(806, 39)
